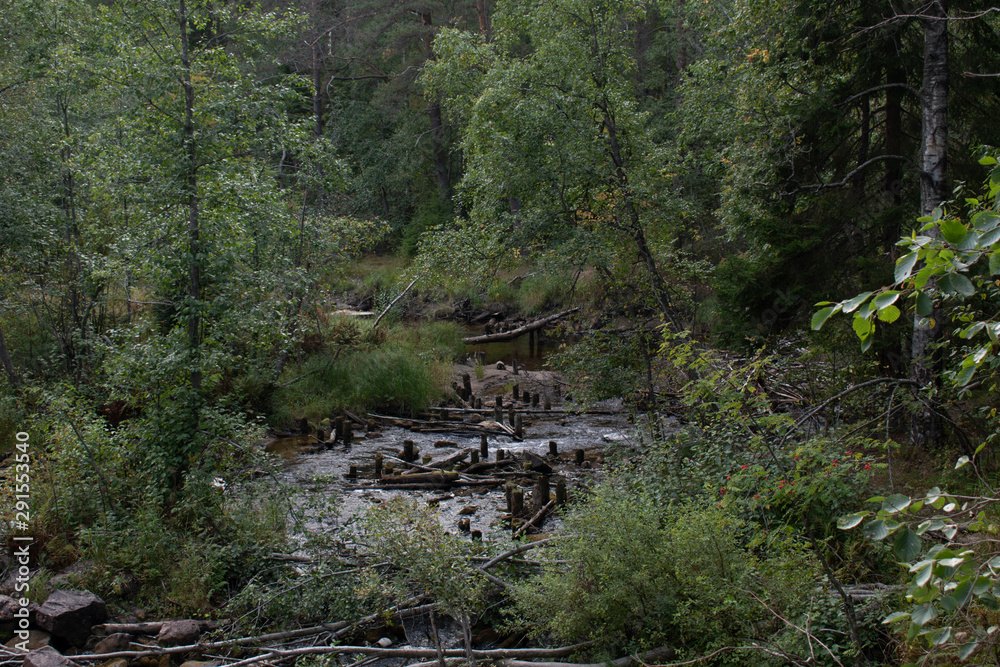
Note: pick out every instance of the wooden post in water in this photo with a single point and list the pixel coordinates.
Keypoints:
(508, 490)
(548, 403)
(517, 387)
(475, 456)
(352, 472)
(518, 426)
(527, 397)
(498, 414)
(516, 369)
(378, 466)
(510, 415)
(579, 457)
(479, 403)
(409, 455)
(348, 433)
(540, 496)
(534, 400)
(501, 454)
(484, 446)
(517, 501)
(467, 385)
(553, 449)
(560, 491)
(500, 401)
(338, 429)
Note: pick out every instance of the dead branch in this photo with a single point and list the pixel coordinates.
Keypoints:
(530, 523)
(520, 331)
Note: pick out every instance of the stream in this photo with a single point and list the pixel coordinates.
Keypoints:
(325, 470)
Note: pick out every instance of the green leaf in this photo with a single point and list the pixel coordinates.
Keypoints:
(961, 462)
(875, 530)
(989, 238)
(925, 306)
(820, 317)
(849, 521)
(885, 299)
(967, 650)
(923, 614)
(985, 221)
(895, 617)
(904, 266)
(889, 314)
(995, 263)
(941, 636)
(852, 304)
(962, 285)
(862, 327)
(906, 545)
(897, 502)
(987, 161)
(953, 231)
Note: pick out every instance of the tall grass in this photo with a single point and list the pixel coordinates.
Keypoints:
(402, 370)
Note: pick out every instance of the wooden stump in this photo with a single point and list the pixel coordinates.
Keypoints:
(484, 447)
(378, 466)
(553, 449)
(540, 496)
(579, 456)
(518, 425)
(409, 452)
(517, 388)
(475, 456)
(517, 501)
(560, 492)
(348, 433)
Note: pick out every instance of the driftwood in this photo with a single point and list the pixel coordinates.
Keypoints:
(151, 628)
(443, 477)
(531, 522)
(336, 630)
(654, 656)
(521, 330)
(449, 461)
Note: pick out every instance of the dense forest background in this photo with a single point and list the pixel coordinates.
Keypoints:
(192, 187)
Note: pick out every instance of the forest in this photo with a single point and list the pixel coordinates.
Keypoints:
(237, 237)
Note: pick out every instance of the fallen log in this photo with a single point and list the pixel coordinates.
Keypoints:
(521, 330)
(442, 477)
(531, 522)
(654, 656)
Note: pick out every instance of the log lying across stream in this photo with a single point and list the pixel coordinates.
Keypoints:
(520, 331)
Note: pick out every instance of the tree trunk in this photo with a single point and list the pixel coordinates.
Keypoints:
(933, 191)
(193, 210)
(484, 21)
(317, 73)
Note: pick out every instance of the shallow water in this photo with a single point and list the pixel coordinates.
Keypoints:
(325, 471)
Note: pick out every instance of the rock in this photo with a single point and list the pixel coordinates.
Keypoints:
(70, 615)
(36, 640)
(179, 633)
(373, 435)
(46, 657)
(113, 643)
(475, 419)
(468, 509)
(8, 606)
(385, 642)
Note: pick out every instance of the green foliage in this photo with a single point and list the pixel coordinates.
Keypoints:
(401, 371)
(424, 557)
(636, 573)
(944, 543)
(602, 364)
(950, 265)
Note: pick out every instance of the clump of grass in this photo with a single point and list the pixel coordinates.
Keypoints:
(402, 370)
